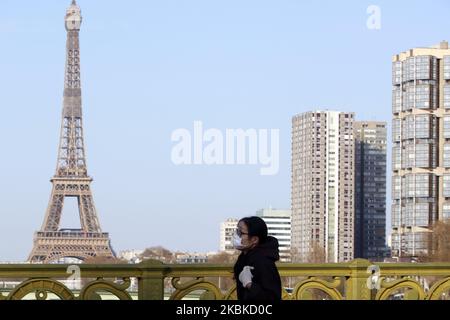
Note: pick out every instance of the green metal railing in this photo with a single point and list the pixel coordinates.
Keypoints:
(357, 280)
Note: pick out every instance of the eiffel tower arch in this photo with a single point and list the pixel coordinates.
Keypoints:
(71, 178)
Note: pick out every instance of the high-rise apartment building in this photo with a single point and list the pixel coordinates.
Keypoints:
(370, 190)
(322, 186)
(421, 147)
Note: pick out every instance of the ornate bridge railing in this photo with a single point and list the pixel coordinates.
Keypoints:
(152, 280)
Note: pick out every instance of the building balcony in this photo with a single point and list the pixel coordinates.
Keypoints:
(153, 280)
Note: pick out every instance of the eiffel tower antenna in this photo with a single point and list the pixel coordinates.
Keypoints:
(71, 178)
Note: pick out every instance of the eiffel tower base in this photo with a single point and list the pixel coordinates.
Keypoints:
(52, 246)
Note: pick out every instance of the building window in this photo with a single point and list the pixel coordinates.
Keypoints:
(396, 187)
(408, 69)
(396, 72)
(447, 96)
(408, 127)
(408, 186)
(408, 156)
(446, 211)
(408, 213)
(423, 155)
(447, 155)
(395, 215)
(396, 100)
(422, 127)
(422, 185)
(408, 98)
(422, 213)
(396, 158)
(424, 96)
(425, 67)
(447, 127)
(447, 67)
(446, 186)
(396, 123)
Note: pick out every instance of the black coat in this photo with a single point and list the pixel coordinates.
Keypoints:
(266, 282)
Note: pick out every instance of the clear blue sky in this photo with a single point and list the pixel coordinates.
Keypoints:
(150, 67)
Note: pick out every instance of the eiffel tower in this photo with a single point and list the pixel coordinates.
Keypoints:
(71, 178)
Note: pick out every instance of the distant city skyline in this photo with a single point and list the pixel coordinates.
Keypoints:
(149, 68)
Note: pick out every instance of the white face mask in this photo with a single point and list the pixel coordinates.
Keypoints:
(237, 242)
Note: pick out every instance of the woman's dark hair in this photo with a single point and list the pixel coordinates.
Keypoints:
(256, 227)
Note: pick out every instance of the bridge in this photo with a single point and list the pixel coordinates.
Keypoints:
(152, 280)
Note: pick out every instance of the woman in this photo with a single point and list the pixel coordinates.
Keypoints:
(256, 274)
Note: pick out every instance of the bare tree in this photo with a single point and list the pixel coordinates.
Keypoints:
(295, 257)
(223, 283)
(317, 253)
(224, 257)
(439, 243)
(158, 253)
(104, 260)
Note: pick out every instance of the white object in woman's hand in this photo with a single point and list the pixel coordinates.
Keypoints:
(246, 276)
